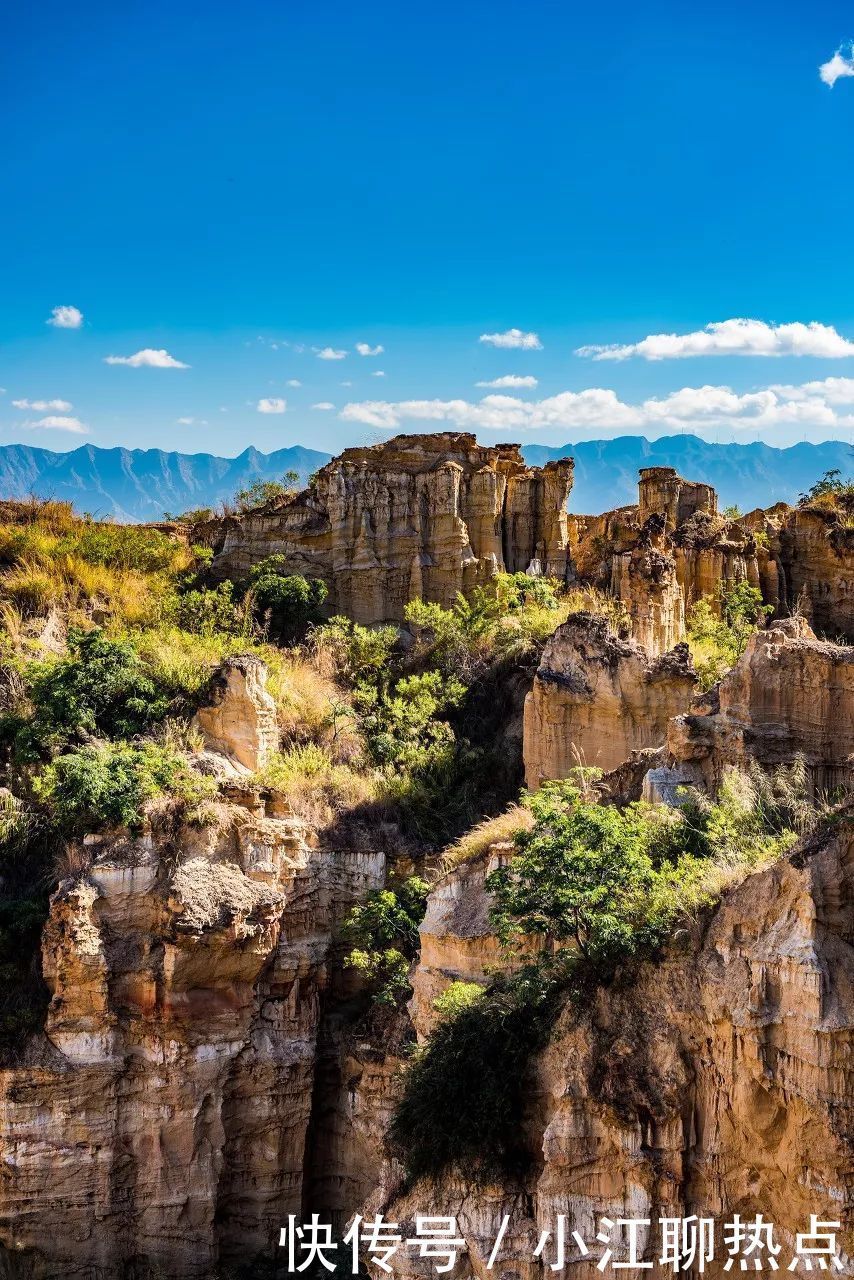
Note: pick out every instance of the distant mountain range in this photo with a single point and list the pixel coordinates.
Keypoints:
(142, 484)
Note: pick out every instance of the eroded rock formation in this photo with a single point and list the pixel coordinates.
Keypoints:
(420, 517)
(164, 1115)
(597, 698)
(789, 696)
(721, 1081)
(238, 720)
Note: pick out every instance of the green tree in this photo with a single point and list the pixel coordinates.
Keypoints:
(289, 600)
(101, 688)
(383, 935)
(260, 493)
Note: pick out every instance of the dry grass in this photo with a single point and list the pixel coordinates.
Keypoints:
(498, 830)
(53, 560)
(314, 785)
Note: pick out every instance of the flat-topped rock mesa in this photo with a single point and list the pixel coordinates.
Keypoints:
(419, 517)
(596, 698)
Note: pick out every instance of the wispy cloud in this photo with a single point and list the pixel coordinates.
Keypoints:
(827, 405)
(365, 349)
(510, 380)
(59, 423)
(293, 382)
(323, 404)
(839, 66)
(329, 353)
(39, 406)
(271, 405)
(148, 358)
(732, 338)
(513, 338)
(192, 422)
(65, 318)
(378, 373)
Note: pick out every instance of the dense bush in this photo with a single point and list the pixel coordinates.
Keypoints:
(382, 933)
(101, 688)
(718, 630)
(288, 600)
(464, 1099)
(262, 492)
(601, 888)
(207, 611)
(111, 784)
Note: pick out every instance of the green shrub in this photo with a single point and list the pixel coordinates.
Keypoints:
(382, 933)
(601, 887)
(456, 998)
(122, 546)
(208, 611)
(289, 600)
(831, 485)
(464, 1099)
(111, 785)
(718, 635)
(262, 492)
(101, 688)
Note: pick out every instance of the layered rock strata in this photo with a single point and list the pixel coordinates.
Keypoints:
(420, 517)
(720, 1082)
(596, 698)
(790, 696)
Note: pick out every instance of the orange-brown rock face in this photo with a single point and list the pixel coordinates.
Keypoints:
(165, 1114)
(721, 1081)
(420, 517)
(596, 698)
(789, 695)
(662, 491)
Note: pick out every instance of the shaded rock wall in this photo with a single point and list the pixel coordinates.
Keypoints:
(789, 695)
(165, 1113)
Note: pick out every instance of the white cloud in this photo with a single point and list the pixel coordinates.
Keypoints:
(54, 423)
(329, 353)
(192, 422)
(40, 405)
(365, 349)
(513, 338)
(510, 380)
(65, 318)
(148, 358)
(732, 338)
(293, 382)
(272, 405)
(323, 404)
(345, 384)
(598, 409)
(839, 66)
(378, 373)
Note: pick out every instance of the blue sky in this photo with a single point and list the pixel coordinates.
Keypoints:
(245, 187)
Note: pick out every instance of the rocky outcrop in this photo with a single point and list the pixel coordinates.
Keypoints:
(597, 698)
(720, 1082)
(419, 517)
(788, 696)
(238, 721)
(164, 1114)
(662, 491)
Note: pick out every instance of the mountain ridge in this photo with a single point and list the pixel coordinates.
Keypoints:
(141, 484)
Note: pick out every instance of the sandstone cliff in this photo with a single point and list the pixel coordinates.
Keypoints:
(420, 517)
(597, 698)
(720, 1081)
(789, 696)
